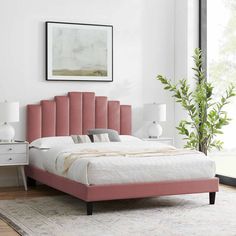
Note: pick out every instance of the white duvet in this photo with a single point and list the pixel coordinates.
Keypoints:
(123, 169)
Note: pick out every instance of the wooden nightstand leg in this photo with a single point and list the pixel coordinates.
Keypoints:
(22, 170)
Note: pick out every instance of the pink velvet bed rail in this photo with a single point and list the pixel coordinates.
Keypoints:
(75, 113)
(123, 191)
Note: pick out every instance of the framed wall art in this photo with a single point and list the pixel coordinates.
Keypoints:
(79, 52)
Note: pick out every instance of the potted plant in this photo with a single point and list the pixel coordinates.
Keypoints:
(206, 117)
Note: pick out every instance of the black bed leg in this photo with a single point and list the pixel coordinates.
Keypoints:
(31, 182)
(89, 206)
(212, 197)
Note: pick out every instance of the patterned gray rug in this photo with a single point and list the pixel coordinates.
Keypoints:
(164, 216)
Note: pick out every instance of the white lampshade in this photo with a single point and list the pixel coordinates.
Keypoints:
(9, 112)
(155, 112)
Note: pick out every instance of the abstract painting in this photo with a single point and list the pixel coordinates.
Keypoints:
(77, 51)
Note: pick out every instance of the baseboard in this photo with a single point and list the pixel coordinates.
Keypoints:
(227, 180)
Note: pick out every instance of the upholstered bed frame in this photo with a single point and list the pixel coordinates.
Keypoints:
(77, 112)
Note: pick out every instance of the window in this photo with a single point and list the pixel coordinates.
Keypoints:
(218, 41)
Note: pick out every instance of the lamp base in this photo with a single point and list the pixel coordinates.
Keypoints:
(7, 133)
(154, 130)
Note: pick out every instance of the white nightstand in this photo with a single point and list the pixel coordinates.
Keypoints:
(15, 154)
(169, 141)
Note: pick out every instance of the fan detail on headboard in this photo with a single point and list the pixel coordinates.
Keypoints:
(75, 113)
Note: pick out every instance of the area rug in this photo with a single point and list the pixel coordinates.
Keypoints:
(181, 215)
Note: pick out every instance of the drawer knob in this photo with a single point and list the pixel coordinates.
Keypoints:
(10, 159)
(10, 149)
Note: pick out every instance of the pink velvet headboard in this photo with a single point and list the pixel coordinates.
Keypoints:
(75, 113)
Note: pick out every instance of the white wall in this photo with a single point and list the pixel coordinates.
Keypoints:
(158, 56)
(186, 40)
(143, 47)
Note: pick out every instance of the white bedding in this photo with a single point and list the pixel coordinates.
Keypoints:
(119, 169)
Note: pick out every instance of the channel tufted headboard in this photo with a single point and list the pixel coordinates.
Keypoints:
(75, 113)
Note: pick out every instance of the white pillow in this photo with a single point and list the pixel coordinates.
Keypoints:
(101, 138)
(81, 138)
(129, 138)
(49, 142)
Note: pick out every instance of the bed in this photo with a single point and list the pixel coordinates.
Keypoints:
(102, 177)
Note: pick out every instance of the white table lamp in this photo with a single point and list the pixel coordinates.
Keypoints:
(155, 112)
(9, 112)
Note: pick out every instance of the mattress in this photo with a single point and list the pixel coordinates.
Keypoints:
(119, 169)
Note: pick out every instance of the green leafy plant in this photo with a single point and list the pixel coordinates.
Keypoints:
(206, 116)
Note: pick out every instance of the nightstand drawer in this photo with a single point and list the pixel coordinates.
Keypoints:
(19, 148)
(9, 159)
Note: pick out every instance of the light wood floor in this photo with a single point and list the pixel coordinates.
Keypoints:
(39, 191)
(16, 192)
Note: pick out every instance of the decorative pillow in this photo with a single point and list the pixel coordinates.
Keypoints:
(113, 134)
(49, 142)
(99, 138)
(129, 138)
(81, 138)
